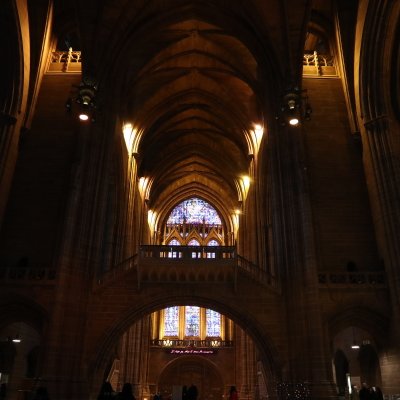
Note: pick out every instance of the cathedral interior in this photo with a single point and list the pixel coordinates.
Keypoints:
(200, 192)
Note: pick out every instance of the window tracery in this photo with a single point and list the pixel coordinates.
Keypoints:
(194, 222)
(194, 211)
(191, 322)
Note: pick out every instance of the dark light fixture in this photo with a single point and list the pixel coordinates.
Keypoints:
(85, 98)
(295, 107)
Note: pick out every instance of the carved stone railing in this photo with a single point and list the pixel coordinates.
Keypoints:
(117, 270)
(27, 275)
(188, 264)
(354, 279)
(191, 343)
(256, 273)
(319, 65)
(65, 61)
(184, 253)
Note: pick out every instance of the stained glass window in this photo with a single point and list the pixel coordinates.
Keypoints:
(174, 254)
(194, 211)
(212, 243)
(192, 321)
(171, 321)
(213, 320)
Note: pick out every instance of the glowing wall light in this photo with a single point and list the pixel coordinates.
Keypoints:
(129, 133)
(245, 185)
(246, 182)
(235, 220)
(255, 138)
(151, 219)
(259, 132)
(143, 187)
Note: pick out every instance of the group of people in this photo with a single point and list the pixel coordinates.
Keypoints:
(367, 393)
(107, 392)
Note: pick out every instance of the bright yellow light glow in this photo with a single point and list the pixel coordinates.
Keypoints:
(242, 185)
(83, 117)
(293, 121)
(237, 212)
(255, 138)
(129, 133)
(259, 131)
(151, 219)
(246, 182)
(235, 220)
(143, 186)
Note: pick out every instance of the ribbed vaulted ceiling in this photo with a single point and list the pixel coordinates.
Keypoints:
(192, 77)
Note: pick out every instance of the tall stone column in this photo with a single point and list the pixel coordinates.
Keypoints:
(308, 354)
(381, 158)
(134, 358)
(8, 155)
(245, 365)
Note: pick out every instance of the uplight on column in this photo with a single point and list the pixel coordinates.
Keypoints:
(129, 133)
(256, 137)
(245, 185)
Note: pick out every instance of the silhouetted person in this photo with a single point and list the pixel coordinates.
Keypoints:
(233, 394)
(41, 394)
(354, 393)
(106, 391)
(351, 266)
(3, 391)
(365, 392)
(192, 392)
(126, 392)
(184, 392)
(376, 393)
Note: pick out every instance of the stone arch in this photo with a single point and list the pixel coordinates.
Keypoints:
(373, 322)
(369, 365)
(174, 368)
(394, 73)
(14, 308)
(378, 46)
(11, 49)
(269, 356)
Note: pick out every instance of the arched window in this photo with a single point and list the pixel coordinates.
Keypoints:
(212, 242)
(174, 254)
(213, 323)
(191, 322)
(171, 321)
(194, 222)
(194, 242)
(194, 211)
